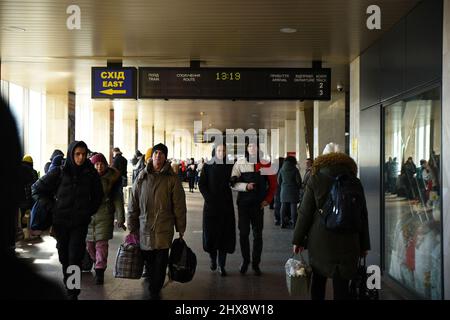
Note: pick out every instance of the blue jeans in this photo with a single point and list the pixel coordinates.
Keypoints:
(288, 213)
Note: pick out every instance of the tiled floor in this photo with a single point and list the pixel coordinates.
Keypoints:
(206, 285)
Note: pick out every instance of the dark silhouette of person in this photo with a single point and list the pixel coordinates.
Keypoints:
(20, 281)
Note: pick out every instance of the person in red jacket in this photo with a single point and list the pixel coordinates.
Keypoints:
(256, 190)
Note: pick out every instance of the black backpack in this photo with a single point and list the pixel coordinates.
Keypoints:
(182, 262)
(343, 208)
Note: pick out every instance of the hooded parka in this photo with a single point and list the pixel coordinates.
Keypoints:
(102, 222)
(157, 205)
(290, 182)
(329, 252)
(77, 190)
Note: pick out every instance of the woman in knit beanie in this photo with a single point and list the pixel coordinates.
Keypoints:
(102, 222)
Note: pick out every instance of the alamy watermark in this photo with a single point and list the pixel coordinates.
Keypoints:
(374, 278)
(374, 20)
(73, 22)
(74, 279)
(241, 139)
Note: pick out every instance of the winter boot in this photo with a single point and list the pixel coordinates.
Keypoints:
(99, 276)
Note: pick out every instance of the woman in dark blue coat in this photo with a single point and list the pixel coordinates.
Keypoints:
(219, 227)
(290, 182)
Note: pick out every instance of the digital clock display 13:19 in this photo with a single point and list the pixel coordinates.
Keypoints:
(232, 76)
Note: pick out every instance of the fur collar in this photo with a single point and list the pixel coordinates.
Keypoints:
(334, 159)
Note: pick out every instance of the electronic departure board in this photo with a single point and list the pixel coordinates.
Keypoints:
(234, 83)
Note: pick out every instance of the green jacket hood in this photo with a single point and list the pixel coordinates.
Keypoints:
(334, 161)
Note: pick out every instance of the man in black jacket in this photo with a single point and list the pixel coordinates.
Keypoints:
(77, 192)
(120, 163)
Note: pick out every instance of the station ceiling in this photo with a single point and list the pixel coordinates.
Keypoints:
(39, 52)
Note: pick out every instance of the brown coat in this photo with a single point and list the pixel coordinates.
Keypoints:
(157, 205)
(329, 252)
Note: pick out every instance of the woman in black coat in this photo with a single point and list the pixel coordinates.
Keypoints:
(219, 228)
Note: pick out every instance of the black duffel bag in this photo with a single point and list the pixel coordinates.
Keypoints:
(182, 262)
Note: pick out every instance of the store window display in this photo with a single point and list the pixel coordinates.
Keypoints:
(412, 190)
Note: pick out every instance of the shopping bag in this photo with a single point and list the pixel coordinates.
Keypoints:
(129, 262)
(132, 238)
(298, 277)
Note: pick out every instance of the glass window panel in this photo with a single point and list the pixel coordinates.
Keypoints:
(412, 193)
(35, 128)
(16, 105)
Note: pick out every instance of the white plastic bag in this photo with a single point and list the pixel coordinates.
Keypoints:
(298, 277)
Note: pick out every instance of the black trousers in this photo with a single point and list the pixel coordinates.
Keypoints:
(277, 211)
(156, 261)
(254, 216)
(71, 245)
(222, 257)
(191, 183)
(318, 286)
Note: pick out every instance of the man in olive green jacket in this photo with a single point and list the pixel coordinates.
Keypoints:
(331, 255)
(157, 205)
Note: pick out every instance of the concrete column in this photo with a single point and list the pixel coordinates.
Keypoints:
(145, 132)
(316, 129)
(207, 151)
(177, 141)
(184, 152)
(198, 151)
(354, 108)
(159, 136)
(300, 138)
(329, 122)
(186, 147)
(290, 136)
(125, 128)
(281, 144)
(4, 89)
(445, 149)
(101, 128)
(274, 143)
(54, 124)
(169, 144)
(83, 116)
(264, 144)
